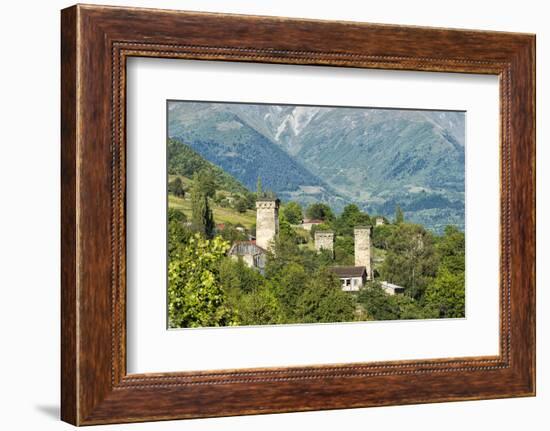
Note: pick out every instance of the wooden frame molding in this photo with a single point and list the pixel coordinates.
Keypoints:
(95, 43)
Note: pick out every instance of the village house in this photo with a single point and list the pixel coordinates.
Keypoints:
(391, 289)
(251, 253)
(353, 278)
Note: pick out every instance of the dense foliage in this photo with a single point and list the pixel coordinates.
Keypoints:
(292, 212)
(175, 187)
(185, 162)
(196, 296)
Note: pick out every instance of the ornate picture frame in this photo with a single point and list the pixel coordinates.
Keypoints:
(96, 41)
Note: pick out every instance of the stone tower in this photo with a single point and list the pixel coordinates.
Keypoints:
(324, 240)
(267, 222)
(363, 248)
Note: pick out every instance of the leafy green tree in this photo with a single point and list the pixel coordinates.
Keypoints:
(320, 211)
(451, 248)
(399, 217)
(205, 182)
(381, 235)
(250, 199)
(351, 217)
(259, 307)
(292, 211)
(176, 216)
(446, 294)
(289, 286)
(195, 294)
(250, 297)
(230, 233)
(324, 301)
(411, 260)
(178, 233)
(344, 251)
(379, 305)
(237, 278)
(241, 204)
(175, 187)
(202, 217)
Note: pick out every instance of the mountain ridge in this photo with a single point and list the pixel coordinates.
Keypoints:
(377, 158)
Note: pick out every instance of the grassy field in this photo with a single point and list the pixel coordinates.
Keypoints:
(221, 215)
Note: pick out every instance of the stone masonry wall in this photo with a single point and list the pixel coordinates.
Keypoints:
(363, 248)
(267, 222)
(324, 240)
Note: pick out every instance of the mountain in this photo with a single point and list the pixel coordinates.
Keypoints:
(226, 140)
(377, 158)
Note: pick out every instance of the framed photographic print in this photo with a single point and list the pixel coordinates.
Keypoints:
(267, 215)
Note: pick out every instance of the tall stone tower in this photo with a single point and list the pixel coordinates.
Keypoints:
(267, 222)
(363, 248)
(324, 240)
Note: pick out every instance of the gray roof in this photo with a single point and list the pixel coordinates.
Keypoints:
(241, 248)
(349, 271)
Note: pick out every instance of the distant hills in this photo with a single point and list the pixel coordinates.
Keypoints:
(376, 158)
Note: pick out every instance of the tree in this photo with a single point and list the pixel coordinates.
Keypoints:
(399, 217)
(176, 216)
(175, 187)
(241, 204)
(195, 294)
(250, 199)
(411, 260)
(344, 251)
(451, 249)
(376, 303)
(178, 233)
(202, 217)
(324, 301)
(205, 182)
(446, 294)
(351, 217)
(292, 211)
(320, 211)
(381, 235)
(289, 286)
(230, 233)
(379, 305)
(259, 192)
(259, 307)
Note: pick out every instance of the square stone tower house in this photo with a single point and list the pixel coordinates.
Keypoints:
(267, 222)
(324, 240)
(363, 248)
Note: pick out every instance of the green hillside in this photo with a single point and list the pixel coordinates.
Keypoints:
(184, 161)
(221, 215)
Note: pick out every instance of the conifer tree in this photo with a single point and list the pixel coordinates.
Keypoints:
(259, 187)
(399, 217)
(202, 217)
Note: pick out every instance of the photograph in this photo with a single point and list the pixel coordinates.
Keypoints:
(300, 214)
